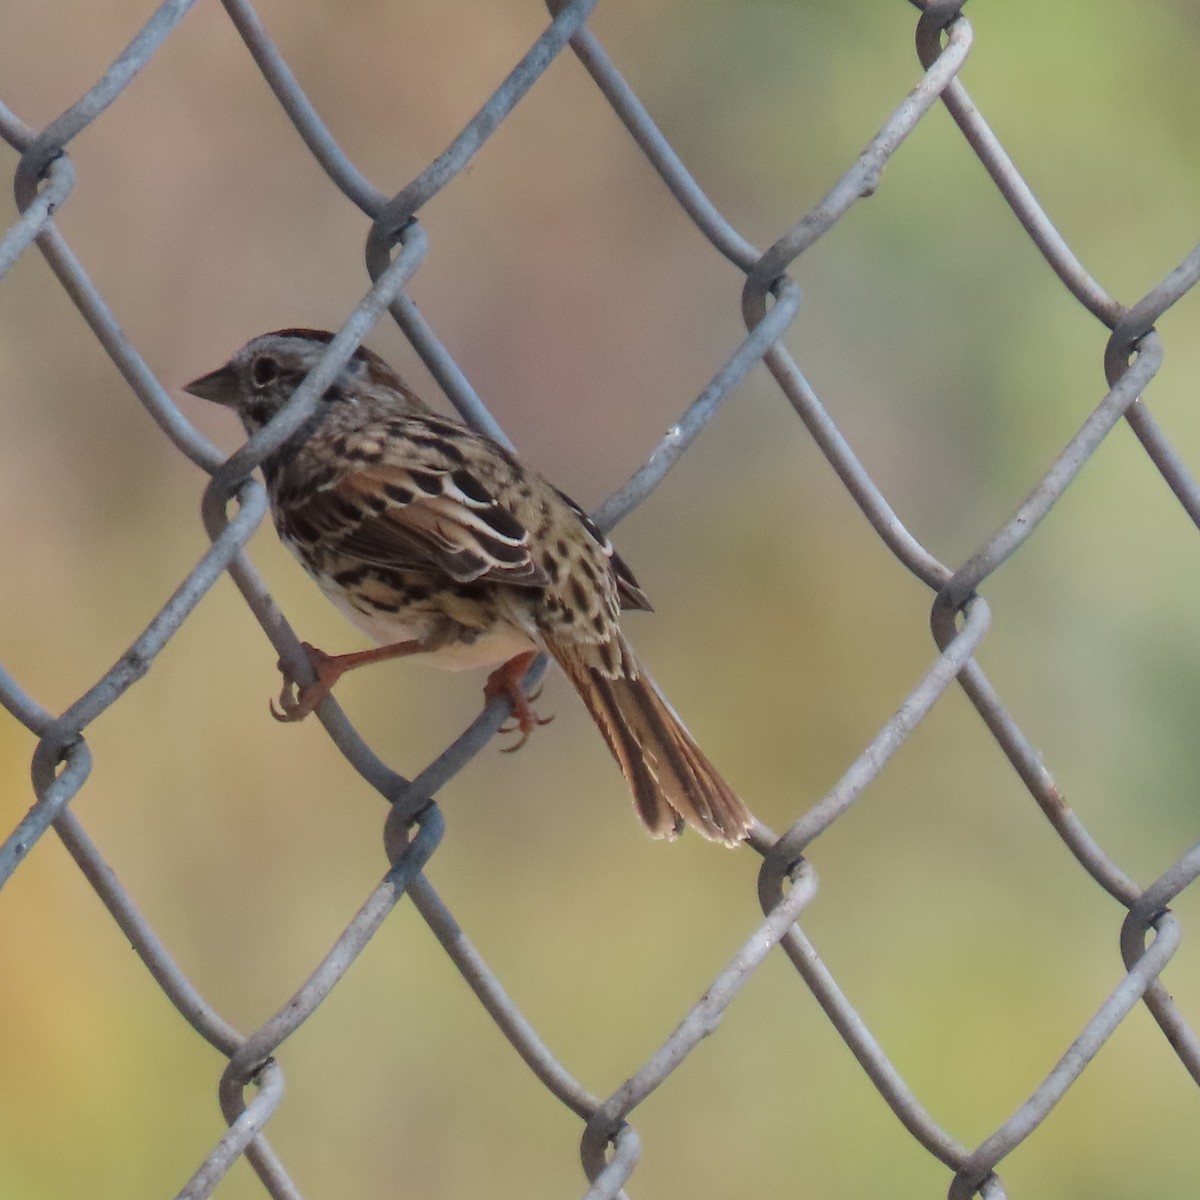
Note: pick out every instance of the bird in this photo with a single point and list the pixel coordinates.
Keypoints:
(434, 539)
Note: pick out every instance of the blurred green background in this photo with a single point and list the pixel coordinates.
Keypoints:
(588, 312)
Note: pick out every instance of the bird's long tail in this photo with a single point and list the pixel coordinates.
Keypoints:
(671, 778)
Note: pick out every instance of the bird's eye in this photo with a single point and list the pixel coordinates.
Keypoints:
(264, 370)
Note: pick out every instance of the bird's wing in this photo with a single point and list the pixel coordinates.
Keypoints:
(420, 516)
(629, 590)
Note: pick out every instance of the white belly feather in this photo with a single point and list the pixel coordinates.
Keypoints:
(497, 646)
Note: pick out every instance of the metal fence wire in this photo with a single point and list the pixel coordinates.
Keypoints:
(234, 505)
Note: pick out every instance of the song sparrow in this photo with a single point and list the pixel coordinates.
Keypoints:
(435, 540)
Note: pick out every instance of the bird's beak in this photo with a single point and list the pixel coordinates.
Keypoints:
(220, 386)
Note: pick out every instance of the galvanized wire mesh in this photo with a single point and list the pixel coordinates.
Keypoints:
(234, 505)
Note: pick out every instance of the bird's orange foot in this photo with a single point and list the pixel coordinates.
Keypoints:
(505, 681)
(297, 700)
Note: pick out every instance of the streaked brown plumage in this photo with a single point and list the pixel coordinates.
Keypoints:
(433, 539)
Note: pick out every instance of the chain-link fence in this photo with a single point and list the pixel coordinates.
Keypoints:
(234, 505)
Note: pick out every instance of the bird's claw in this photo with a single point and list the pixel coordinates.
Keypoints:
(524, 722)
(505, 681)
(297, 700)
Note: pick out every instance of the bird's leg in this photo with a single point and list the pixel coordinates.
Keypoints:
(296, 701)
(505, 681)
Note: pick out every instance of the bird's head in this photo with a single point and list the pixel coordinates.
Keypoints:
(265, 373)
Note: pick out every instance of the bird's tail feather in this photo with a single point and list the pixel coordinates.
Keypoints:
(671, 778)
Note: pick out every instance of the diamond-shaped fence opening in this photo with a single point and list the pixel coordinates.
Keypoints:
(927, 364)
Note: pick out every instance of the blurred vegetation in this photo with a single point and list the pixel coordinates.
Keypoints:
(589, 312)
